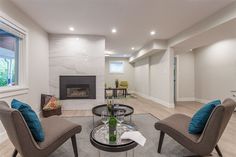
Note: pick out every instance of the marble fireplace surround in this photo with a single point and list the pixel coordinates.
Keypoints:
(78, 55)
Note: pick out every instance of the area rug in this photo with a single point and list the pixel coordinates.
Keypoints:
(145, 124)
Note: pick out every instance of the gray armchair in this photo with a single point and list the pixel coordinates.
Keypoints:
(56, 129)
(203, 144)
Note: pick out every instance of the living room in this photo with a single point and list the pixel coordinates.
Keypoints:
(160, 61)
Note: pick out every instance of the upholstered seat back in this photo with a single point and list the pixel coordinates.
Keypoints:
(123, 84)
(17, 129)
(216, 124)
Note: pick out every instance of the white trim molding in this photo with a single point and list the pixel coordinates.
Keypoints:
(13, 23)
(12, 91)
(186, 99)
(159, 101)
(203, 101)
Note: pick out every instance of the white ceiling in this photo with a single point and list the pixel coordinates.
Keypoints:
(134, 19)
(219, 33)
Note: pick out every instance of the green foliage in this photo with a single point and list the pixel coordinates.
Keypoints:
(3, 73)
(3, 79)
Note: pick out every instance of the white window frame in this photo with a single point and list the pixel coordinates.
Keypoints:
(10, 25)
(110, 62)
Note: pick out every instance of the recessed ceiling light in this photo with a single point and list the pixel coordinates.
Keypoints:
(132, 48)
(152, 33)
(71, 29)
(109, 52)
(191, 49)
(77, 39)
(114, 30)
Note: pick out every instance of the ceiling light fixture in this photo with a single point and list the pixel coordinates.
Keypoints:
(77, 39)
(152, 33)
(71, 29)
(109, 52)
(132, 48)
(114, 31)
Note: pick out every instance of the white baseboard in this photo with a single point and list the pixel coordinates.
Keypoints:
(3, 136)
(159, 101)
(203, 101)
(131, 92)
(186, 99)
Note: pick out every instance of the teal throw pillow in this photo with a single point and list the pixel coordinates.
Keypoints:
(31, 119)
(199, 120)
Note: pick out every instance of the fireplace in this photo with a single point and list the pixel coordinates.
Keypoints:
(77, 87)
(77, 91)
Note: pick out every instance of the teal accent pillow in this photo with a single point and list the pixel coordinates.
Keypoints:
(31, 119)
(199, 120)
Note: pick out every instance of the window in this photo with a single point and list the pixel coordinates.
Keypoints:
(13, 57)
(9, 50)
(116, 67)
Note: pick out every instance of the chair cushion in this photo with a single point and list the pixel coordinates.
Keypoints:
(57, 131)
(176, 126)
(199, 120)
(31, 119)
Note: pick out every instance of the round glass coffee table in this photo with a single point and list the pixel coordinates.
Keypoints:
(99, 138)
(97, 110)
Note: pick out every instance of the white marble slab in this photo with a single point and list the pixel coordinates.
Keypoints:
(77, 55)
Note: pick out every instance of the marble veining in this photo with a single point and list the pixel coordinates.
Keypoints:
(71, 56)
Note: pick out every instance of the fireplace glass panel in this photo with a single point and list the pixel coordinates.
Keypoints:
(77, 91)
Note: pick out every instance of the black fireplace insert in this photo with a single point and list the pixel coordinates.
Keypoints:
(77, 87)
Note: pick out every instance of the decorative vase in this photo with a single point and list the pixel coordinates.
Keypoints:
(117, 83)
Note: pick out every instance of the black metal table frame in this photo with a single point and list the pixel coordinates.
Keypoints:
(114, 91)
(113, 149)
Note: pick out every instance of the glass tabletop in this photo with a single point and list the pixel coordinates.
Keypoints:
(98, 109)
(101, 135)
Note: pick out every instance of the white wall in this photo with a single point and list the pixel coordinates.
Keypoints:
(85, 56)
(141, 76)
(154, 77)
(128, 74)
(215, 70)
(160, 77)
(208, 72)
(185, 82)
(38, 57)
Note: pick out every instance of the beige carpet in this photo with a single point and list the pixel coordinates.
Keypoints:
(145, 124)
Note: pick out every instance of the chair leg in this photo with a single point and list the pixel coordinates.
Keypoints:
(15, 153)
(162, 134)
(218, 151)
(74, 144)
